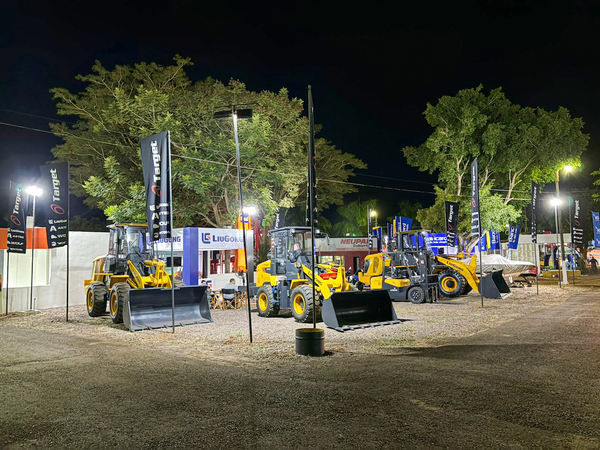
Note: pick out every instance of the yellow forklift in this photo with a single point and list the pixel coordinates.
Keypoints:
(415, 273)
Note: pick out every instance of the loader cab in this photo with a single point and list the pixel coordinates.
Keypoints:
(289, 245)
(127, 242)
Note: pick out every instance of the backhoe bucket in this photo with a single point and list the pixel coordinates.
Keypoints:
(493, 285)
(346, 311)
(152, 308)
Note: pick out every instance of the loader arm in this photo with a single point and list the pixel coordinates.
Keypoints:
(320, 285)
(136, 280)
(160, 277)
(467, 271)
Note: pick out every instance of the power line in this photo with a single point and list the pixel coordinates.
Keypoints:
(247, 167)
(221, 163)
(36, 116)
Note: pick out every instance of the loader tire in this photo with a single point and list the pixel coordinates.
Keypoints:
(416, 295)
(265, 302)
(467, 287)
(451, 284)
(119, 295)
(95, 298)
(302, 303)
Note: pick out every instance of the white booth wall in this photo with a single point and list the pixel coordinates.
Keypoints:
(50, 285)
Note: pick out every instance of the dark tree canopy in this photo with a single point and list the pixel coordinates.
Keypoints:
(119, 107)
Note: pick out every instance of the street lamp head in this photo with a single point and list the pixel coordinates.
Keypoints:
(568, 168)
(373, 213)
(555, 201)
(34, 191)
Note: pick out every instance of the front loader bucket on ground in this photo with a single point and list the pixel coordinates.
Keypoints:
(493, 285)
(152, 308)
(353, 310)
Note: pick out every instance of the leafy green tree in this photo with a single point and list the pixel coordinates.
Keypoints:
(119, 107)
(514, 145)
(354, 218)
(78, 223)
(406, 208)
(495, 214)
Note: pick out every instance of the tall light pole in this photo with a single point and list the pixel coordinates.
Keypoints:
(34, 192)
(236, 113)
(371, 213)
(567, 169)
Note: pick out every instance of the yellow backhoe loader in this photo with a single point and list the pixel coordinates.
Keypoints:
(137, 287)
(286, 281)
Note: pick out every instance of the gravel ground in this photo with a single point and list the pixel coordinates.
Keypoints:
(521, 372)
(425, 325)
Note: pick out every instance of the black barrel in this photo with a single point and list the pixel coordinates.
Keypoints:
(310, 341)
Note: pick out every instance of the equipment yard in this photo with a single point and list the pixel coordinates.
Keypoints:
(520, 372)
(425, 325)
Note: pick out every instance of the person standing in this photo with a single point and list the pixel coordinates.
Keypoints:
(594, 264)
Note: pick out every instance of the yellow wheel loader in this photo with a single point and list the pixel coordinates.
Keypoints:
(286, 281)
(414, 270)
(137, 287)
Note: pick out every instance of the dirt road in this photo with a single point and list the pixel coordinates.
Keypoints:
(533, 381)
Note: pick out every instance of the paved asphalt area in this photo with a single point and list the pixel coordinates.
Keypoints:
(532, 382)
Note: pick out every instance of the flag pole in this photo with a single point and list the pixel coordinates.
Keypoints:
(311, 179)
(8, 259)
(68, 240)
(537, 268)
(481, 271)
(171, 226)
(572, 244)
(446, 217)
(7, 275)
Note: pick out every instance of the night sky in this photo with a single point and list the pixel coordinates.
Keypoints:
(373, 68)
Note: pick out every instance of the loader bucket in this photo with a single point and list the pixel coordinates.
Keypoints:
(152, 308)
(493, 285)
(353, 310)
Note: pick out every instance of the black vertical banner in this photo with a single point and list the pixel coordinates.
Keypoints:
(53, 201)
(535, 193)
(16, 238)
(155, 163)
(577, 225)
(312, 165)
(475, 216)
(451, 223)
(280, 218)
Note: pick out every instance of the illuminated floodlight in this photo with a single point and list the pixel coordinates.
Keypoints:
(34, 190)
(555, 201)
(249, 210)
(568, 168)
(373, 213)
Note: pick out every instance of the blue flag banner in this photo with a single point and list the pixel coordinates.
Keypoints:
(596, 224)
(405, 223)
(390, 231)
(494, 240)
(484, 241)
(377, 234)
(513, 237)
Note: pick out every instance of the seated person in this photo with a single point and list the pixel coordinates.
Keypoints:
(209, 293)
(229, 292)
